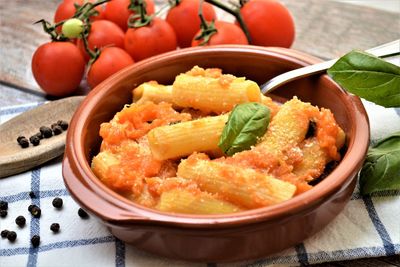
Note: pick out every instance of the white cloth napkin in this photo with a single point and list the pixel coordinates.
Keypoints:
(368, 226)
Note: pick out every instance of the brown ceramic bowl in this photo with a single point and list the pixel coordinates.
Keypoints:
(209, 238)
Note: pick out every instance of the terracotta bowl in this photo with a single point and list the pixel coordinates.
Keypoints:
(208, 238)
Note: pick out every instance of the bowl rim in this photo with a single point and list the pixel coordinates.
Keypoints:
(127, 212)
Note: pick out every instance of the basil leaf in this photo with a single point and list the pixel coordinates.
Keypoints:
(381, 170)
(368, 77)
(246, 123)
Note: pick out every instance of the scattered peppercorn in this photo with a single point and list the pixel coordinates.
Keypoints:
(22, 141)
(36, 211)
(35, 240)
(32, 194)
(4, 233)
(3, 213)
(57, 202)
(3, 205)
(30, 207)
(57, 130)
(34, 140)
(46, 132)
(55, 227)
(20, 221)
(11, 236)
(39, 135)
(83, 214)
(63, 124)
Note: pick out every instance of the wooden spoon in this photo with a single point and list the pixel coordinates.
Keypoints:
(13, 158)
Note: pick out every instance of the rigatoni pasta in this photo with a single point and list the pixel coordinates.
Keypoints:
(210, 94)
(182, 139)
(163, 151)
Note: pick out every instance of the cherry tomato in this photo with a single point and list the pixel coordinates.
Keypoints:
(102, 33)
(117, 11)
(72, 28)
(185, 20)
(156, 38)
(227, 33)
(111, 60)
(58, 68)
(67, 9)
(269, 23)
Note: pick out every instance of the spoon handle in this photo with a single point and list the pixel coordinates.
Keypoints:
(379, 51)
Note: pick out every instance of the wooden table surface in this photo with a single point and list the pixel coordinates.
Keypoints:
(324, 28)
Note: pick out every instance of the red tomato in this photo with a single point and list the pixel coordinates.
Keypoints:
(185, 21)
(227, 33)
(111, 60)
(156, 38)
(269, 23)
(102, 33)
(117, 11)
(66, 10)
(58, 68)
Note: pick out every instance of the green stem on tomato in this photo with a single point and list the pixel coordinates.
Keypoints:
(51, 30)
(92, 54)
(235, 13)
(207, 30)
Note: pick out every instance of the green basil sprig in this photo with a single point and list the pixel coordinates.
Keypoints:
(381, 170)
(368, 77)
(246, 123)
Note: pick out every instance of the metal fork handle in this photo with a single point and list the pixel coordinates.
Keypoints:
(379, 51)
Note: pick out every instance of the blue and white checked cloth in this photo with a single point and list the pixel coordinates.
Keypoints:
(368, 226)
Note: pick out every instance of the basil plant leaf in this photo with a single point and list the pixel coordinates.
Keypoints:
(381, 170)
(368, 77)
(246, 123)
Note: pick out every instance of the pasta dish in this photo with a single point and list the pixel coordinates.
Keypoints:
(211, 143)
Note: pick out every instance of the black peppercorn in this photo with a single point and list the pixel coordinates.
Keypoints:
(11, 236)
(32, 194)
(22, 141)
(63, 124)
(83, 214)
(46, 132)
(57, 130)
(39, 135)
(30, 207)
(57, 202)
(20, 221)
(55, 227)
(4, 233)
(35, 240)
(3, 213)
(36, 211)
(34, 140)
(3, 205)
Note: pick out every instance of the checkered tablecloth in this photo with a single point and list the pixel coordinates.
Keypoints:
(368, 226)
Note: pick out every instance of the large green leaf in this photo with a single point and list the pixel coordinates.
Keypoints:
(368, 77)
(381, 170)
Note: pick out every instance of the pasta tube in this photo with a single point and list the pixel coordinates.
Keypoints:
(213, 94)
(152, 91)
(313, 162)
(102, 162)
(241, 186)
(289, 126)
(193, 202)
(182, 139)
